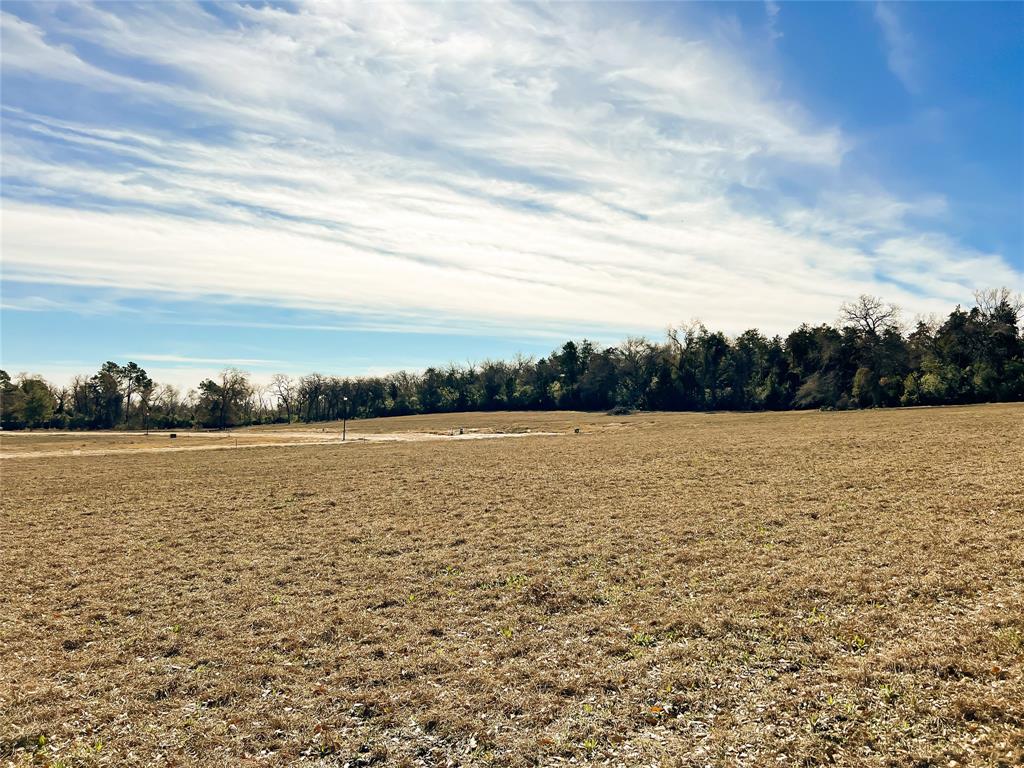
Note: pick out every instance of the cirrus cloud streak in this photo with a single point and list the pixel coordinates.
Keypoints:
(504, 166)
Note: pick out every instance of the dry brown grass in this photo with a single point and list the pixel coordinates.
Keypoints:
(493, 421)
(683, 589)
(55, 443)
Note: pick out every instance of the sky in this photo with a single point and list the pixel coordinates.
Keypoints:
(358, 188)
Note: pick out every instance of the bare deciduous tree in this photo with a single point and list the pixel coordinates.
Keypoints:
(682, 337)
(191, 404)
(260, 397)
(283, 386)
(989, 300)
(62, 398)
(169, 400)
(870, 314)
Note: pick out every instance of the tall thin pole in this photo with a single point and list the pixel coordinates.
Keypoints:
(344, 422)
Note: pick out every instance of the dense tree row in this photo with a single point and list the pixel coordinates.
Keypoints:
(867, 360)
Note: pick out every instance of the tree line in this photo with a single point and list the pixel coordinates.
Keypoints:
(867, 359)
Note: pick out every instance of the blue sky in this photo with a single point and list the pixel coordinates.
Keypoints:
(360, 188)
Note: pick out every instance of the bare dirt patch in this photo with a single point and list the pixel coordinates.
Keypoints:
(27, 446)
(676, 589)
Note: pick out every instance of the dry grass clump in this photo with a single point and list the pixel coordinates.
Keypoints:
(671, 589)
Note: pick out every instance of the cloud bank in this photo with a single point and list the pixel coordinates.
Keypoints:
(467, 166)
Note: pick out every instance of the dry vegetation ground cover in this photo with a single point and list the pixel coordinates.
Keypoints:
(42, 444)
(681, 589)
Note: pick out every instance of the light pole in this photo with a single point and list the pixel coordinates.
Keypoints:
(344, 421)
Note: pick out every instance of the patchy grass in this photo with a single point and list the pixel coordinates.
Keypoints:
(675, 589)
(47, 444)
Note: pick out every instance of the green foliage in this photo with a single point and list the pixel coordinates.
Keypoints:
(911, 390)
(221, 402)
(865, 387)
(644, 639)
(28, 403)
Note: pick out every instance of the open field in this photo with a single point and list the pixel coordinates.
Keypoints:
(668, 589)
(462, 426)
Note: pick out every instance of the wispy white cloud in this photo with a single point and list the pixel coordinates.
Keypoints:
(771, 9)
(918, 260)
(203, 361)
(93, 306)
(183, 377)
(456, 166)
(901, 52)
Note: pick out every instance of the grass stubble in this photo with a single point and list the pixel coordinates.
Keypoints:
(660, 589)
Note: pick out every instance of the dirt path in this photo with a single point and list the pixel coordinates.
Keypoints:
(311, 438)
